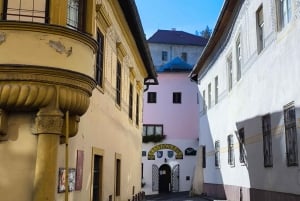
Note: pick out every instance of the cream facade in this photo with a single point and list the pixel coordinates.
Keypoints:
(249, 112)
(71, 95)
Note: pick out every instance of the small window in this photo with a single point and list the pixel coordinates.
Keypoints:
(284, 13)
(151, 97)
(230, 73)
(238, 58)
(260, 29)
(217, 154)
(216, 89)
(144, 153)
(118, 84)
(149, 129)
(177, 97)
(203, 156)
(241, 135)
(26, 10)
(118, 177)
(130, 101)
(76, 14)
(164, 55)
(137, 110)
(209, 95)
(231, 159)
(267, 141)
(99, 61)
(184, 56)
(291, 134)
(203, 101)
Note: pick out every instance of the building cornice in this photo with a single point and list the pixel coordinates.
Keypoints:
(50, 29)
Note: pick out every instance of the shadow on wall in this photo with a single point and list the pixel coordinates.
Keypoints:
(207, 168)
(268, 153)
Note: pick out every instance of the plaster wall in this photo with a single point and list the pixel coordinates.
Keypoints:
(179, 124)
(17, 156)
(268, 83)
(105, 125)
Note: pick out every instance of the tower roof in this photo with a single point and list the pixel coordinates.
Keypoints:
(175, 65)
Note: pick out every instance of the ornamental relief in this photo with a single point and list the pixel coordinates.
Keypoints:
(48, 125)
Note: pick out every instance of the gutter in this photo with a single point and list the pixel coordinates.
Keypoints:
(227, 13)
(134, 22)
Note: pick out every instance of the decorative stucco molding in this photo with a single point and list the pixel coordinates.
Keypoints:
(49, 90)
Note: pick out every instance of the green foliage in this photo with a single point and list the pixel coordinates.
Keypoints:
(153, 138)
(206, 32)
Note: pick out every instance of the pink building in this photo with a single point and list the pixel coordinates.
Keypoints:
(170, 137)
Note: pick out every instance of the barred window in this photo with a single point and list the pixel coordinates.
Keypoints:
(241, 135)
(26, 10)
(217, 154)
(291, 135)
(230, 150)
(267, 141)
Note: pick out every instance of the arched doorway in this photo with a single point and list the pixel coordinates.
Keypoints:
(164, 178)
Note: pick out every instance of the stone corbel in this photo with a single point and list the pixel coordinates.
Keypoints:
(3, 125)
(48, 121)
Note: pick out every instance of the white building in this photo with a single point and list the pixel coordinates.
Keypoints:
(248, 76)
(170, 114)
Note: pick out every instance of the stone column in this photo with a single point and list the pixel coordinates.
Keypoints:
(49, 123)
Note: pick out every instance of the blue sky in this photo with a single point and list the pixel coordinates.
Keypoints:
(184, 15)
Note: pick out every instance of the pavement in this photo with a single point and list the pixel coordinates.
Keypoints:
(178, 196)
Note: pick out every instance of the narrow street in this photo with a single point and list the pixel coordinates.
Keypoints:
(180, 196)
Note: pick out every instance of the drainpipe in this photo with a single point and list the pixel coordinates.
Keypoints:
(67, 158)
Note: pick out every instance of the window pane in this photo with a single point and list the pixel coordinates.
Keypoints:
(144, 130)
(26, 10)
(150, 130)
(158, 130)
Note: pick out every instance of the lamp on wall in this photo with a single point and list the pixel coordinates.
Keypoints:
(166, 160)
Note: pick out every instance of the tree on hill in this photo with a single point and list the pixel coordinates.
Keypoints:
(206, 32)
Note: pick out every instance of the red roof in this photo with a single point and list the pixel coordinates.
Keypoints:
(177, 38)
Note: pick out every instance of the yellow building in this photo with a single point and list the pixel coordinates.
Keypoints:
(72, 76)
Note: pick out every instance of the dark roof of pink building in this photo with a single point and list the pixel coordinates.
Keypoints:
(177, 38)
